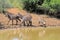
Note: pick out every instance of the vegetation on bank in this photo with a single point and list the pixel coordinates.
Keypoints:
(49, 7)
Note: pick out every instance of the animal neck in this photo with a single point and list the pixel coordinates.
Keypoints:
(9, 15)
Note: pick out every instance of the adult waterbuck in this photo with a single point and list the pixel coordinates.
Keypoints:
(27, 19)
(11, 17)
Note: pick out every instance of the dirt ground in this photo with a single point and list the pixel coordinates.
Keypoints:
(35, 18)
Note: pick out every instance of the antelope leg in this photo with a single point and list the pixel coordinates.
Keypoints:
(27, 23)
(8, 22)
(12, 22)
(19, 19)
(24, 23)
(16, 21)
(30, 22)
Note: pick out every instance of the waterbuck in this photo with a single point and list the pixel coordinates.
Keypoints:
(11, 17)
(27, 19)
(42, 22)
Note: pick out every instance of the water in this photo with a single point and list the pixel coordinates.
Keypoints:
(15, 39)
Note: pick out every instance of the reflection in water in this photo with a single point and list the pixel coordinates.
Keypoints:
(41, 33)
(15, 39)
(21, 36)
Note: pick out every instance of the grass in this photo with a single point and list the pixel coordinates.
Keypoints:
(37, 33)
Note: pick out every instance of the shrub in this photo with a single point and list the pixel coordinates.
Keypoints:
(4, 4)
(56, 9)
(31, 5)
